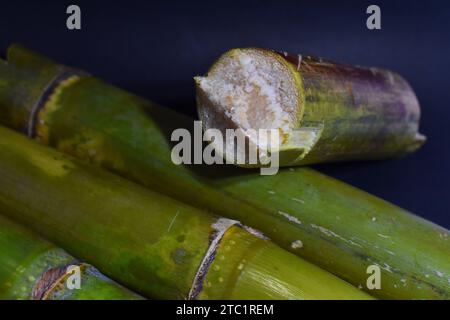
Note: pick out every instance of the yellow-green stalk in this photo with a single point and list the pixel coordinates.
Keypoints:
(33, 268)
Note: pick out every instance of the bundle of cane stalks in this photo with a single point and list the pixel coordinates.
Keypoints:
(179, 231)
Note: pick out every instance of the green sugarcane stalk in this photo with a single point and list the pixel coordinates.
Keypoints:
(149, 242)
(33, 268)
(332, 224)
(324, 111)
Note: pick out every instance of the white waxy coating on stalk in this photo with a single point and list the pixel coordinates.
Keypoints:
(298, 200)
(331, 233)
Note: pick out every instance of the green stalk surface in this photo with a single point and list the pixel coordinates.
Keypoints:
(335, 112)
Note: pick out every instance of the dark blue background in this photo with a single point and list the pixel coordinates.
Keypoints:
(155, 48)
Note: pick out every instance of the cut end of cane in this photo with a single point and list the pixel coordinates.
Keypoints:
(253, 89)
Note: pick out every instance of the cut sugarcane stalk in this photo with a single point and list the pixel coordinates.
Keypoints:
(338, 227)
(32, 268)
(324, 111)
(149, 242)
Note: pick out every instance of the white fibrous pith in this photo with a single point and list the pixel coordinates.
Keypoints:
(254, 91)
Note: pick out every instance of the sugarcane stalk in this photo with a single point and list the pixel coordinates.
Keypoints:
(33, 268)
(149, 242)
(338, 227)
(324, 111)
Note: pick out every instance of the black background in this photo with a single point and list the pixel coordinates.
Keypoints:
(155, 48)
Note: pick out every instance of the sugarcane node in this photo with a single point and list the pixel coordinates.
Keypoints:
(28, 76)
(324, 111)
(32, 268)
(220, 227)
(52, 280)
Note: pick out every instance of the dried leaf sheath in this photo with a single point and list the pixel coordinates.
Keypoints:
(299, 209)
(32, 268)
(149, 242)
(324, 111)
